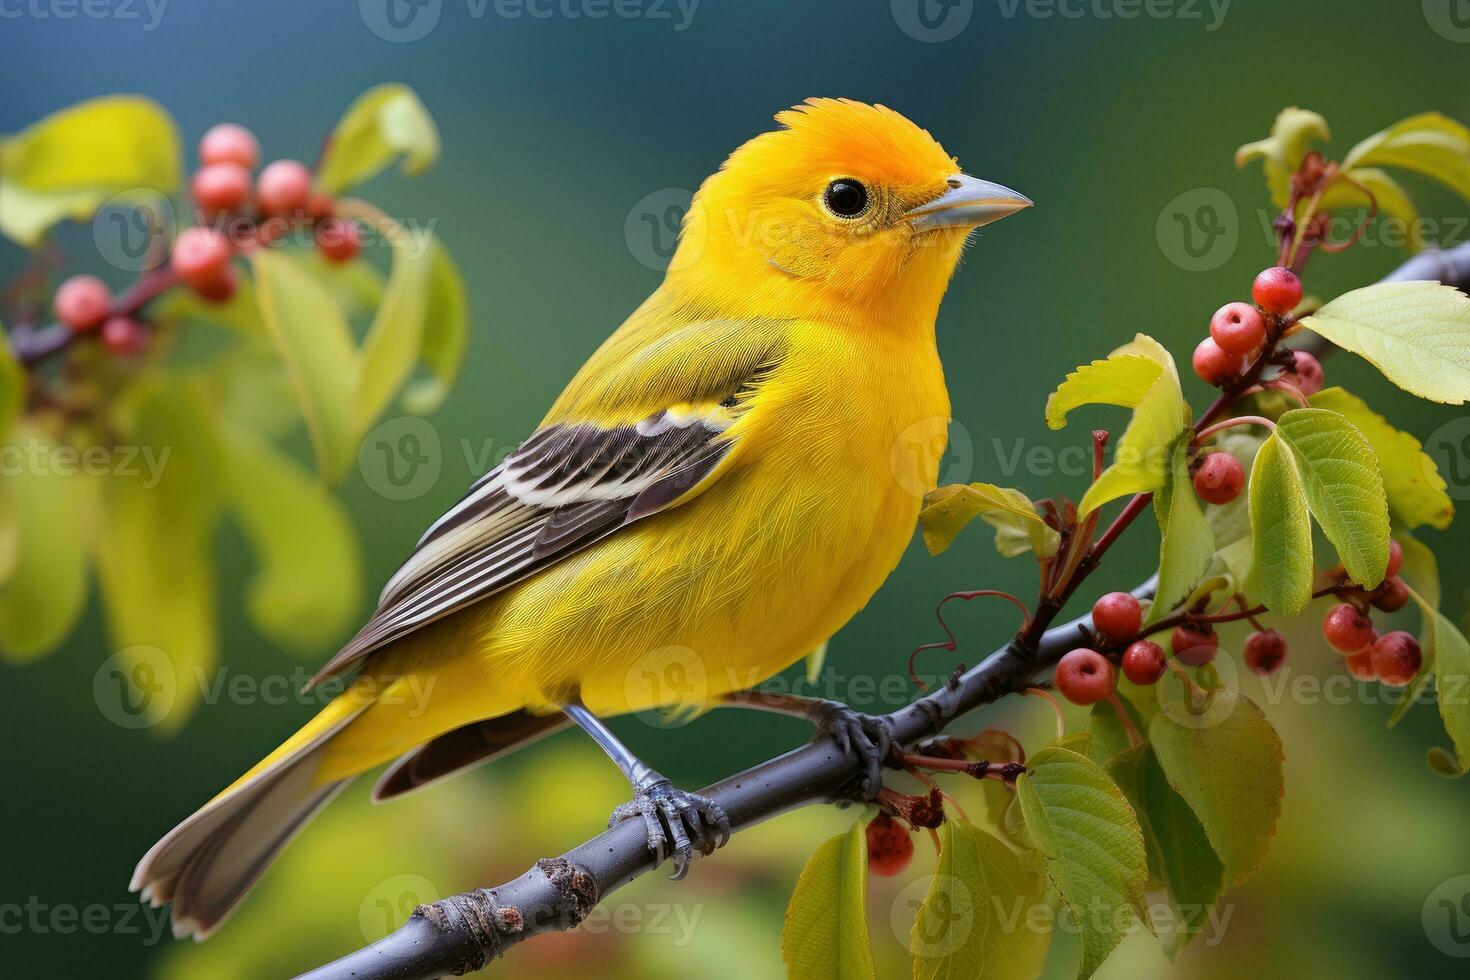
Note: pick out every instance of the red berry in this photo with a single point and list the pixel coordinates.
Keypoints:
(1395, 559)
(220, 289)
(124, 336)
(82, 302)
(1391, 596)
(1144, 662)
(890, 847)
(1306, 374)
(1396, 658)
(1265, 651)
(1194, 645)
(221, 187)
(200, 256)
(1347, 628)
(1277, 290)
(229, 143)
(1360, 665)
(338, 240)
(284, 186)
(1219, 479)
(1213, 365)
(1117, 615)
(319, 206)
(1238, 328)
(1084, 676)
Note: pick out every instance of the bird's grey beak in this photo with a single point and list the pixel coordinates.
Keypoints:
(969, 203)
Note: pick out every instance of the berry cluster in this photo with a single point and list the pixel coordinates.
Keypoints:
(225, 189)
(1392, 658)
(1240, 331)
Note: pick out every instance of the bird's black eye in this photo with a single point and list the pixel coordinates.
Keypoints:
(846, 198)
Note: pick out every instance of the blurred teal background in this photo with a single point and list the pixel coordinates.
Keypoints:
(566, 138)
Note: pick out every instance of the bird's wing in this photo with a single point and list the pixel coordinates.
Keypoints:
(589, 471)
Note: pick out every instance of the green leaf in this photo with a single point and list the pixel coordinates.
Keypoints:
(1186, 541)
(12, 387)
(1387, 196)
(1447, 653)
(1019, 527)
(445, 336)
(815, 661)
(1421, 575)
(1282, 152)
(1227, 766)
(307, 588)
(1281, 532)
(1431, 144)
(1108, 734)
(1416, 491)
(826, 933)
(383, 123)
(1420, 569)
(1140, 375)
(1416, 333)
(355, 286)
(154, 553)
(393, 341)
(972, 925)
(1344, 489)
(47, 512)
(1078, 818)
(314, 341)
(1179, 851)
(70, 163)
(240, 313)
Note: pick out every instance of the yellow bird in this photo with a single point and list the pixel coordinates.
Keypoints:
(727, 480)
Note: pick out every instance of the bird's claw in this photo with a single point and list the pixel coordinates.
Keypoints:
(677, 823)
(870, 736)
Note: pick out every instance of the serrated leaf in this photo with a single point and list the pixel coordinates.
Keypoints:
(384, 122)
(1229, 771)
(1292, 135)
(1416, 333)
(1281, 532)
(1093, 847)
(308, 583)
(972, 924)
(826, 932)
(314, 341)
(1431, 144)
(70, 163)
(948, 509)
(1416, 491)
(1140, 375)
(48, 514)
(1186, 542)
(1352, 189)
(1340, 475)
(1180, 856)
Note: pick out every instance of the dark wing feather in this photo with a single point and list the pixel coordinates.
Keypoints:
(566, 487)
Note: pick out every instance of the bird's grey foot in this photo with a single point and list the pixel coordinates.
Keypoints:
(677, 822)
(869, 736)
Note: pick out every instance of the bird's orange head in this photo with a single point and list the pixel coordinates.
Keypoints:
(848, 209)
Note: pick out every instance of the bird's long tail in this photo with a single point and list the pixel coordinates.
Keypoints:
(206, 864)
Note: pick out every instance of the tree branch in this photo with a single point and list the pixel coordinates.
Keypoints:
(464, 933)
